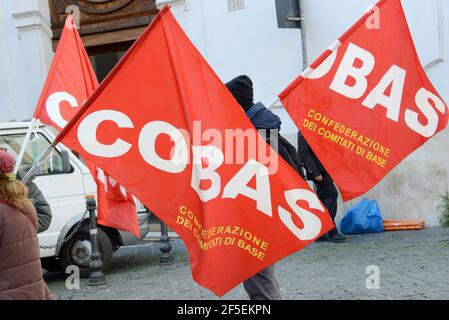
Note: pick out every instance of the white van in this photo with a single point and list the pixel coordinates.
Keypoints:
(65, 182)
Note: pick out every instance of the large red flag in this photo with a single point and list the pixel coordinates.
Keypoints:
(366, 103)
(165, 126)
(70, 82)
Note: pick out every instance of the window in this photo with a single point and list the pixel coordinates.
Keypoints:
(103, 63)
(37, 145)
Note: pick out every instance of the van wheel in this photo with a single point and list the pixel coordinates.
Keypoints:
(51, 264)
(77, 251)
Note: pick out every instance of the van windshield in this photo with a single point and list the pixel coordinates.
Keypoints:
(37, 145)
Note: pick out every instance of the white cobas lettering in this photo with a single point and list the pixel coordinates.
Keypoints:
(351, 81)
(213, 156)
(53, 107)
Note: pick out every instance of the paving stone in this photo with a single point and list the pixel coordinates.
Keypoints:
(412, 265)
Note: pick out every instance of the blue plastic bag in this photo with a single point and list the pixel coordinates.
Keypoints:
(364, 217)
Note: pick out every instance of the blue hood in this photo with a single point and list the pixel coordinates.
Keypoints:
(262, 118)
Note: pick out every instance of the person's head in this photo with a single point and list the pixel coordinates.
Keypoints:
(11, 190)
(241, 88)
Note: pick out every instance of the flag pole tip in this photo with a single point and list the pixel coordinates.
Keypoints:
(165, 8)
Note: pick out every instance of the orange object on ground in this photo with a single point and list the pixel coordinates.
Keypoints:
(398, 225)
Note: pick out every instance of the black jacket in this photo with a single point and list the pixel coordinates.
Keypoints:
(41, 205)
(307, 157)
(264, 119)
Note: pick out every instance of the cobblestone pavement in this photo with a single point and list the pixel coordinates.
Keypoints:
(413, 265)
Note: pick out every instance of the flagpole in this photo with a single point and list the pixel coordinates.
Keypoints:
(24, 144)
(44, 155)
(305, 62)
(273, 104)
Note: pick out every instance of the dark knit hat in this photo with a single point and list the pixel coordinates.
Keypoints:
(7, 162)
(242, 90)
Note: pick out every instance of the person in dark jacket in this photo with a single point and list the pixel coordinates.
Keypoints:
(41, 205)
(20, 266)
(265, 121)
(263, 285)
(325, 188)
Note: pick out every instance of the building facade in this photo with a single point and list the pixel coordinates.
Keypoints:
(236, 37)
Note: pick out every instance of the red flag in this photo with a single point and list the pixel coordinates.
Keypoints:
(70, 82)
(366, 103)
(161, 123)
(117, 207)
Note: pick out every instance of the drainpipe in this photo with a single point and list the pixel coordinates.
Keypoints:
(305, 62)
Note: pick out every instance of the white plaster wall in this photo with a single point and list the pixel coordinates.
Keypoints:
(25, 56)
(245, 41)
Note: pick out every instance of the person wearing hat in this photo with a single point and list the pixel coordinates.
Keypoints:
(20, 266)
(44, 215)
(263, 285)
(265, 121)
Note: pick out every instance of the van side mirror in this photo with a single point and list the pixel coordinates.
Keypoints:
(65, 158)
